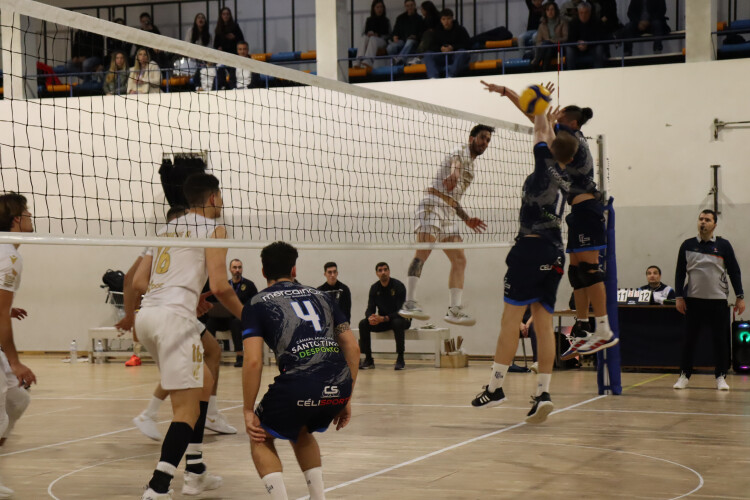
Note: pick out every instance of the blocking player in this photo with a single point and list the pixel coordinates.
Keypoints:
(171, 279)
(15, 218)
(318, 358)
(535, 267)
(435, 222)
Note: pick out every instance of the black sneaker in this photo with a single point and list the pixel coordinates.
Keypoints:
(543, 406)
(367, 364)
(400, 365)
(238, 362)
(487, 399)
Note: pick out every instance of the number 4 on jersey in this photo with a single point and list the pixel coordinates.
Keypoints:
(311, 315)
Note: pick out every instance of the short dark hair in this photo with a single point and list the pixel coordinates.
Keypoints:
(381, 264)
(198, 187)
(709, 211)
(243, 42)
(176, 211)
(238, 260)
(329, 264)
(654, 267)
(144, 14)
(278, 260)
(477, 129)
(446, 13)
(564, 147)
(12, 205)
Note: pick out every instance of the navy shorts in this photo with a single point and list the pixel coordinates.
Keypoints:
(586, 230)
(292, 403)
(535, 268)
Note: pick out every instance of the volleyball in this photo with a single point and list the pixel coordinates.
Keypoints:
(534, 100)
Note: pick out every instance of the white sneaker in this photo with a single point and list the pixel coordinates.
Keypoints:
(597, 342)
(721, 383)
(195, 484)
(150, 494)
(457, 316)
(147, 426)
(218, 423)
(534, 367)
(411, 310)
(682, 382)
(5, 492)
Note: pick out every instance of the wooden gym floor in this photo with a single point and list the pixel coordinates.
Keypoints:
(412, 436)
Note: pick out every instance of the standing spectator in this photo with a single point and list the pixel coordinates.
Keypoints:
(431, 17)
(645, 17)
(553, 30)
(706, 261)
(116, 82)
(147, 23)
(159, 57)
(87, 53)
(536, 12)
(145, 75)
(198, 32)
(659, 291)
(115, 45)
(584, 29)
(407, 32)
(337, 289)
(387, 296)
(374, 35)
(449, 37)
(228, 32)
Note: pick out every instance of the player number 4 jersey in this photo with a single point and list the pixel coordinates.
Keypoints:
(11, 266)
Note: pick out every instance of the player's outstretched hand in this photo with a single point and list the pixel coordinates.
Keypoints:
(253, 427)
(342, 419)
(550, 87)
(203, 305)
(476, 224)
(18, 313)
(491, 87)
(24, 375)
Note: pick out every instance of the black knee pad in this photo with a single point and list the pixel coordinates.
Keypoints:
(590, 274)
(575, 281)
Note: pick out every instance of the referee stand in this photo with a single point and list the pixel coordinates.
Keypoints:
(608, 360)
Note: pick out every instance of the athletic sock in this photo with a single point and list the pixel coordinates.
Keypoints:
(274, 483)
(153, 407)
(602, 325)
(314, 478)
(498, 376)
(175, 443)
(194, 454)
(212, 409)
(411, 287)
(456, 296)
(542, 383)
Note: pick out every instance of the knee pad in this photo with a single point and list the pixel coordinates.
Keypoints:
(575, 281)
(590, 274)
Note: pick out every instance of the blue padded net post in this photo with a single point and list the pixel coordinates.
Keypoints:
(608, 360)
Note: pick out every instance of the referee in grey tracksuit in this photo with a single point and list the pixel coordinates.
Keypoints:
(706, 261)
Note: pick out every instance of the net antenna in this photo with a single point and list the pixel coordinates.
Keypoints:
(300, 158)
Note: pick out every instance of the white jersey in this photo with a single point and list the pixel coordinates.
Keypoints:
(11, 266)
(178, 274)
(465, 173)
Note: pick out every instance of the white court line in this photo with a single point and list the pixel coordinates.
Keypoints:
(48, 412)
(449, 448)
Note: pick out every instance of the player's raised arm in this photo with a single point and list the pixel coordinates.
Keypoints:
(513, 96)
(543, 123)
(216, 261)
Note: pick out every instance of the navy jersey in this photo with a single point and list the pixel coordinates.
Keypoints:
(543, 198)
(581, 170)
(298, 322)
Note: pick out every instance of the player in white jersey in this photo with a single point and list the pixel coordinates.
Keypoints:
(436, 222)
(16, 218)
(172, 279)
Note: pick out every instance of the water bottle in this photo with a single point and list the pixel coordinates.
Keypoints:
(73, 352)
(99, 355)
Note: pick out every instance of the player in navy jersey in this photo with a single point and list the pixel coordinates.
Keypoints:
(318, 359)
(535, 267)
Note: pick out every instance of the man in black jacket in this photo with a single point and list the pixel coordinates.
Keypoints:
(337, 289)
(406, 33)
(449, 37)
(586, 28)
(387, 296)
(645, 17)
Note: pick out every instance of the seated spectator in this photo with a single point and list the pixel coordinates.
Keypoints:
(145, 75)
(608, 16)
(337, 289)
(242, 77)
(406, 33)
(87, 54)
(582, 30)
(116, 81)
(536, 12)
(227, 33)
(431, 17)
(553, 29)
(374, 35)
(569, 10)
(659, 291)
(386, 297)
(449, 37)
(645, 17)
(207, 77)
(159, 57)
(115, 45)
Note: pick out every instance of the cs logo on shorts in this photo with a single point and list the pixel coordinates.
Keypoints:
(331, 391)
(583, 240)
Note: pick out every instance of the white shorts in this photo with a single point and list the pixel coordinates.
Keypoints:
(174, 342)
(10, 379)
(435, 217)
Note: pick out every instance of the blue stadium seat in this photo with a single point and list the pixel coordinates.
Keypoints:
(517, 63)
(728, 48)
(740, 24)
(387, 70)
(284, 57)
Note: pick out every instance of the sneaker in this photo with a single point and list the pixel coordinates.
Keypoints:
(575, 344)
(5, 492)
(218, 423)
(147, 426)
(543, 406)
(457, 316)
(721, 383)
(133, 361)
(399, 365)
(367, 364)
(411, 310)
(534, 367)
(238, 362)
(682, 382)
(598, 342)
(195, 484)
(150, 494)
(487, 399)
